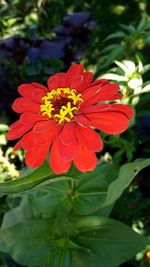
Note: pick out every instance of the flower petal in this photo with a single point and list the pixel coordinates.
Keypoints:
(68, 152)
(110, 122)
(87, 78)
(96, 108)
(82, 120)
(52, 82)
(90, 92)
(56, 163)
(57, 81)
(31, 92)
(40, 86)
(75, 70)
(31, 118)
(107, 92)
(36, 155)
(18, 129)
(100, 82)
(61, 80)
(27, 141)
(22, 104)
(43, 126)
(89, 137)
(67, 135)
(76, 81)
(85, 160)
(126, 110)
(47, 133)
(17, 146)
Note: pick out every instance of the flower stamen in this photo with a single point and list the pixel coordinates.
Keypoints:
(61, 104)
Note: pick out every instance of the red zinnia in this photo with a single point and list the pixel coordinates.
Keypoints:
(61, 119)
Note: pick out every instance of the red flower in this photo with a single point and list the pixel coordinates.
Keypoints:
(148, 255)
(62, 118)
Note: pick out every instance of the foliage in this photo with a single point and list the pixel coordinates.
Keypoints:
(131, 39)
(57, 234)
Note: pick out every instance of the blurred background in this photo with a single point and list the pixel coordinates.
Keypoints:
(112, 39)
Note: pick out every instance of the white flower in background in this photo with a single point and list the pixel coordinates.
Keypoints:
(129, 76)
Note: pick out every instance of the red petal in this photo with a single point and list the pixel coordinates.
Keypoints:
(67, 134)
(89, 137)
(27, 141)
(100, 82)
(37, 95)
(90, 92)
(85, 160)
(56, 163)
(31, 118)
(17, 146)
(36, 155)
(17, 130)
(61, 80)
(47, 133)
(40, 86)
(110, 122)
(107, 92)
(31, 92)
(75, 70)
(82, 120)
(42, 126)
(67, 152)
(95, 108)
(126, 110)
(76, 81)
(22, 104)
(57, 81)
(87, 79)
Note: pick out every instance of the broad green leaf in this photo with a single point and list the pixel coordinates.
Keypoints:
(108, 242)
(16, 215)
(126, 175)
(47, 198)
(33, 243)
(91, 189)
(29, 242)
(88, 194)
(43, 173)
(59, 257)
(98, 242)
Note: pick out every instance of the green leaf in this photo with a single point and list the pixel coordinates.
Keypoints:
(46, 199)
(91, 192)
(41, 174)
(16, 215)
(98, 242)
(62, 225)
(29, 242)
(59, 257)
(108, 242)
(91, 189)
(87, 195)
(126, 174)
(118, 34)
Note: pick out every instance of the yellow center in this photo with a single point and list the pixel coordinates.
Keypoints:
(61, 104)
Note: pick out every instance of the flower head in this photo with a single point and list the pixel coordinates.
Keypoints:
(61, 119)
(148, 255)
